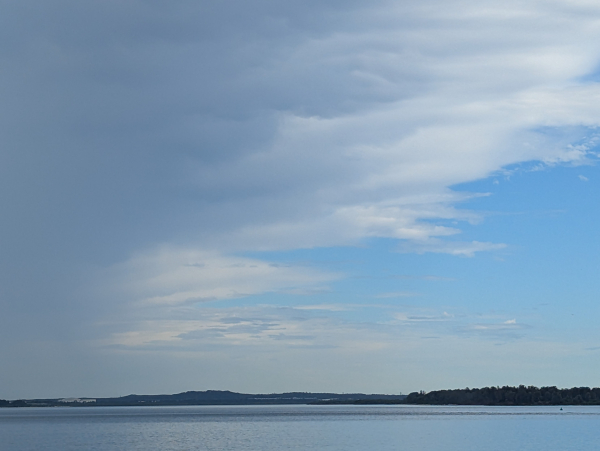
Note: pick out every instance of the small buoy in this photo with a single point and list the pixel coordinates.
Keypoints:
(561, 408)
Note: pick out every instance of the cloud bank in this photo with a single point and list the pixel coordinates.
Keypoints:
(147, 147)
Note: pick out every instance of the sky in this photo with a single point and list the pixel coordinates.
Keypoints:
(267, 196)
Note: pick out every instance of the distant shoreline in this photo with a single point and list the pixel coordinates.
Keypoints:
(487, 396)
(207, 398)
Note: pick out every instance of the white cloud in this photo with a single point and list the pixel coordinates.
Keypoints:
(391, 105)
(382, 166)
(507, 330)
(172, 276)
(458, 248)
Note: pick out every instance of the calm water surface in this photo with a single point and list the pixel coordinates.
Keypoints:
(270, 428)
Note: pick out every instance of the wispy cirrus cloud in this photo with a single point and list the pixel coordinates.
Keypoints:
(176, 276)
(326, 307)
(458, 248)
(416, 317)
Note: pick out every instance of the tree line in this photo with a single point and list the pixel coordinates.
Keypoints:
(508, 396)
(17, 403)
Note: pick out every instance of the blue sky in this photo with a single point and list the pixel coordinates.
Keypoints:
(318, 196)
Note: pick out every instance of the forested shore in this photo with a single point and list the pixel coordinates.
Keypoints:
(508, 396)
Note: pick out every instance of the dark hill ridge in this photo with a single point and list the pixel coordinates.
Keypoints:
(206, 398)
(214, 397)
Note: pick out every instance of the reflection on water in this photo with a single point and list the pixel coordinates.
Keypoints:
(267, 428)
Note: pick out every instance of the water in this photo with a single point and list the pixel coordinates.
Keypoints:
(331, 428)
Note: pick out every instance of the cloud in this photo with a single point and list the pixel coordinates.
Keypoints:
(458, 248)
(404, 317)
(172, 276)
(327, 307)
(205, 143)
(261, 326)
(209, 327)
(147, 148)
(507, 330)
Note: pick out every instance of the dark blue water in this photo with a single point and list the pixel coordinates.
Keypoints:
(270, 428)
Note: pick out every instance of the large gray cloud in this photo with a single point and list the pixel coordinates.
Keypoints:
(182, 133)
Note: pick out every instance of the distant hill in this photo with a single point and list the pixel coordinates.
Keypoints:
(214, 397)
(206, 398)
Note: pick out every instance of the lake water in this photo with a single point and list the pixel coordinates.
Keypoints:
(332, 428)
